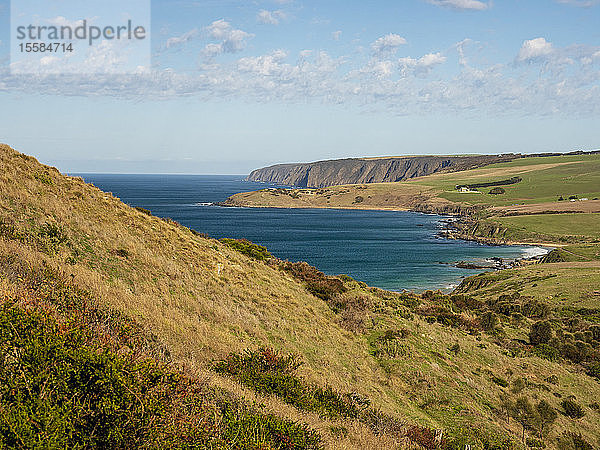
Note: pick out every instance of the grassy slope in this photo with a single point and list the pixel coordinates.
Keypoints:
(544, 180)
(585, 225)
(204, 300)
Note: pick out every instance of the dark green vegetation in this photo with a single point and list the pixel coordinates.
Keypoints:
(248, 248)
(513, 180)
(75, 376)
(268, 372)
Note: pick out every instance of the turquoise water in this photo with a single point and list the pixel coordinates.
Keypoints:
(387, 249)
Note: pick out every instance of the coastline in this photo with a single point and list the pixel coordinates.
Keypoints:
(494, 263)
(446, 233)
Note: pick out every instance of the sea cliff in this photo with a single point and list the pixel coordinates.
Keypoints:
(378, 170)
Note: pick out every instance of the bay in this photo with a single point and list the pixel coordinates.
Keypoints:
(393, 250)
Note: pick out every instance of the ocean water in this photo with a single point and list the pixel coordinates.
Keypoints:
(387, 249)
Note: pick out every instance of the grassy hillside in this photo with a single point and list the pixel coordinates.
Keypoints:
(172, 311)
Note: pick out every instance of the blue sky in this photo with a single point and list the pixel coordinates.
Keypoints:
(235, 85)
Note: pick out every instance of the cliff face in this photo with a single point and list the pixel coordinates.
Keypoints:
(361, 171)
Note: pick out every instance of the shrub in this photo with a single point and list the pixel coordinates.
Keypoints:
(455, 348)
(575, 441)
(499, 381)
(541, 333)
(518, 385)
(575, 351)
(268, 372)
(476, 439)
(122, 253)
(546, 351)
(248, 248)
(317, 283)
(388, 345)
(524, 413)
(339, 431)
(143, 210)
(535, 309)
(535, 443)
(44, 178)
(75, 376)
(572, 409)
(497, 191)
(594, 370)
(425, 437)
(248, 430)
(50, 237)
(60, 389)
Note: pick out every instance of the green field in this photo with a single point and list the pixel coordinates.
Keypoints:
(556, 176)
(587, 225)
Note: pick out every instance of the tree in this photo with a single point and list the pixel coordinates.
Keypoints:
(541, 333)
(508, 405)
(546, 413)
(525, 414)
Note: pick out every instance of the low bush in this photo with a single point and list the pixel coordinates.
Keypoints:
(476, 439)
(248, 430)
(50, 237)
(546, 351)
(574, 441)
(535, 443)
(594, 370)
(389, 344)
(316, 282)
(499, 381)
(75, 376)
(572, 409)
(248, 248)
(541, 333)
(143, 210)
(44, 178)
(268, 372)
(422, 436)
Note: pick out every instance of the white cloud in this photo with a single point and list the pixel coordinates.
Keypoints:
(178, 40)
(534, 49)
(378, 69)
(580, 3)
(387, 44)
(336, 35)
(271, 17)
(462, 4)
(61, 21)
(264, 65)
(568, 83)
(231, 40)
(421, 66)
